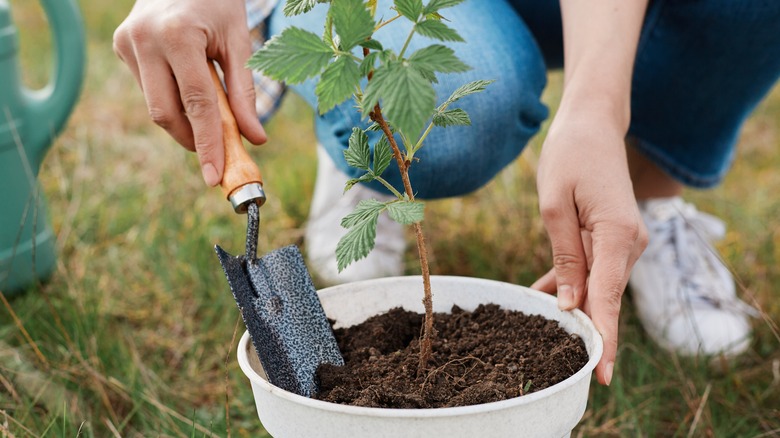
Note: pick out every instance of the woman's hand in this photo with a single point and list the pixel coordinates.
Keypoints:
(588, 207)
(585, 191)
(166, 44)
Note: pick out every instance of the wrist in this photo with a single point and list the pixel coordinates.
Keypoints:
(606, 108)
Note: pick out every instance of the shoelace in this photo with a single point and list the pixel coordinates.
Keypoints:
(687, 232)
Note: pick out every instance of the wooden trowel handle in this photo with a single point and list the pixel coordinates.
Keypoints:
(241, 180)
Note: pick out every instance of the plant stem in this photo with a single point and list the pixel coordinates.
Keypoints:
(406, 44)
(389, 186)
(422, 138)
(428, 331)
(426, 343)
(376, 116)
(417, 146)
(385, 23)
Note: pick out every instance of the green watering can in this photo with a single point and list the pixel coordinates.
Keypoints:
(29, 122)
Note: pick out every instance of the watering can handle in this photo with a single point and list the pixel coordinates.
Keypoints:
(241, 180)
(52, 105)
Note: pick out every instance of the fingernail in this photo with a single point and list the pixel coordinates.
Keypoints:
(210, 174)
(565, 297)
(608, 372)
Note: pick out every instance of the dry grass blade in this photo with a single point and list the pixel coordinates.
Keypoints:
(30, 381)
(177, 415)
(24, 332)
(702, 403)
(227, 376)
(6, 430)
(770, 433)
(112, 428)
(9, 387)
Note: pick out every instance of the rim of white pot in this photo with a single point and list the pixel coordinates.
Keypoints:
(594, 357)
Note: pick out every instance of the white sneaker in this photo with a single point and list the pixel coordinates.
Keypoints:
(684, 294)
(323, 231)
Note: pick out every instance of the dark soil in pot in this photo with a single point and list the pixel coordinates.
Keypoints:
(483, 356)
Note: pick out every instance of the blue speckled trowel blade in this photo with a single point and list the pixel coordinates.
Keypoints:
(283, 314)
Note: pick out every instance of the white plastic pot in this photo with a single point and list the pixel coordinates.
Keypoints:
(551, 412)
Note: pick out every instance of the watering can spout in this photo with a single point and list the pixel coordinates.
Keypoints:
(48, 108)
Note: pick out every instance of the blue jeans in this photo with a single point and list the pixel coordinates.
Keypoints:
(701, 67)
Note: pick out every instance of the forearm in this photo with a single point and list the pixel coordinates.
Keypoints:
(600, 42)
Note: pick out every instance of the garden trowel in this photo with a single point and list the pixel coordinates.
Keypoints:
(276, 296)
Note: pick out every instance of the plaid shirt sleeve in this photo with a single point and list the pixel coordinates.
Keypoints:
(268, 91)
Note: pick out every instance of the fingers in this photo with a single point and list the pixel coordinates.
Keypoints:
(136, 45)
(169, 64)
(241, 91)
(595, 264)
(162, 100)
(614, 252)
(165, 43)
(199, 99)
(123, 49)
(569, 260)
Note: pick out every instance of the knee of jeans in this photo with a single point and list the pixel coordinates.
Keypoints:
(459, 160)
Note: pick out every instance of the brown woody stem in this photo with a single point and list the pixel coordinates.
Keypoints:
(428, 331)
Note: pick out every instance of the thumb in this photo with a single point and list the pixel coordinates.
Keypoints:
(569, 260)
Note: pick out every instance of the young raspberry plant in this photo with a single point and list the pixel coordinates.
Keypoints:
(393, 90)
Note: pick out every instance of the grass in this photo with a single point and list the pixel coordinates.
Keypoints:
(132, 336)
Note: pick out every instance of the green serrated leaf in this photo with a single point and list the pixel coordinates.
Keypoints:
(465, 90)
(363, 211)
(372, 44)
(451, 117)
(387, 55)
(408, 99)
(410, 9)
(292, 56)
(297, 7)
(437, 58)
(368, 63)
(367, 177)
(358, 153)
(429, 75)
(359, 240)
(337, 83)
(406, 212)
(327, 34)
(374, 127)
(353, 22)
(435, 5)
(383, 155)
(437, 30)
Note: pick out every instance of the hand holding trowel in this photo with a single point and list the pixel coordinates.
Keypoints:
(275, 293)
